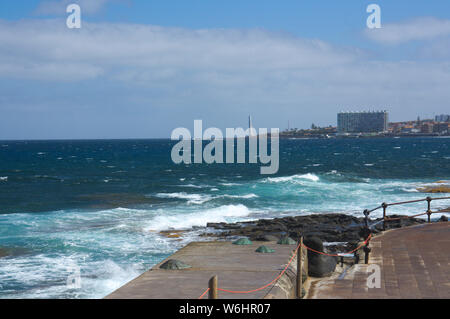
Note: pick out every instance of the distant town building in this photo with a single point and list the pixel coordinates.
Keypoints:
(427, 128)
(362, 122)
(442, 118)
(441, 128)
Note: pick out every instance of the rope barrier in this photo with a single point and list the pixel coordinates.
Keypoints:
(270, 283)
(333, 255)
(285, 268)
(203, 294)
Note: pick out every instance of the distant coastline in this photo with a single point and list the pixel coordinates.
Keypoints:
(361, 135)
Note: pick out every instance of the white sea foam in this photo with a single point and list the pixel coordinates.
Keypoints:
(247, 196)
(192, 186)
(3, 178)
(49, 273)
(202, 198)
(230, 184)
(167, 220)
(191, 198)
(293, 178)
(410, 190)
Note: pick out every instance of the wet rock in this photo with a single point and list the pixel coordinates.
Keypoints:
(328, 227)
(443, 218)
(174, 264)
(266, 238)
(319, 265)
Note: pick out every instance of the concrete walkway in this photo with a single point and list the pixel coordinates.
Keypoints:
(237, 268)
(414, 263)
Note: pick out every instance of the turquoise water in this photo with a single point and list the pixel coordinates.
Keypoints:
(99, 205)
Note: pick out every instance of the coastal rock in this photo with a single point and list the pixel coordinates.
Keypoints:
(173, 264)
(443, 218)
(267, 238)
(319, 265)
(403, 222)
(328, 227)
(439, 187)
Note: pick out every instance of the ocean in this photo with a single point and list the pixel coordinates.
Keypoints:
(99, 206)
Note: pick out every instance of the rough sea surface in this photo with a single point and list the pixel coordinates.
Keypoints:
(98, 206)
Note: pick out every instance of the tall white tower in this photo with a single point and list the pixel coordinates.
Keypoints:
(251, 130)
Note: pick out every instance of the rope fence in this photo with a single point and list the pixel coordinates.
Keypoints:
(285, 268)
(213, 286)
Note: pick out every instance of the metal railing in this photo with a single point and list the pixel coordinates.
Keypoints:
(384, 206)
(386, 218)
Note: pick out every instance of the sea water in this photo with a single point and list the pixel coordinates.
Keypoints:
(99, 206)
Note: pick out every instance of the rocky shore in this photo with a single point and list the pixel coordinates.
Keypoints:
(339, 231)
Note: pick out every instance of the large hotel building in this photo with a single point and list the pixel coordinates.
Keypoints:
(362, 122)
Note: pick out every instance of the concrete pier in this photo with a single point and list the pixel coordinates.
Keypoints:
(413, 263)
(237, 267)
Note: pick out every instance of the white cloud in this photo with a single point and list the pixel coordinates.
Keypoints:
(123, 50)
(218, 74)
(417, 29)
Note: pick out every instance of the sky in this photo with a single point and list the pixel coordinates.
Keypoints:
(141, 68)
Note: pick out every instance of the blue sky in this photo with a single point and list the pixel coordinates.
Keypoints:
(140, 68)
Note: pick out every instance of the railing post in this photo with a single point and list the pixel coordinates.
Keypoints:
(366, 218)
(429, 199)
(366, 253)
(367, 234)
(384, 205)
(299, 268)
(213, 288)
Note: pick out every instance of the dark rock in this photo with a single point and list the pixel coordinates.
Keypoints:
(266, 238)
(173, 264)
(364, 232)
(443, 218)
(328, 227)
(319, 265)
